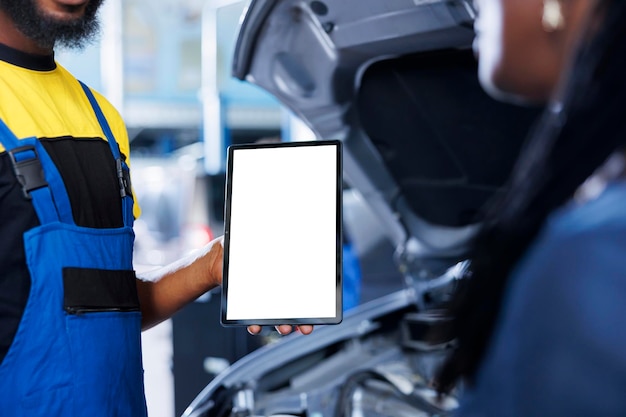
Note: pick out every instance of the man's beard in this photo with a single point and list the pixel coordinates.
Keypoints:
(49, 32)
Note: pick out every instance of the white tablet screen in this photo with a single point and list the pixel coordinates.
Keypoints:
(282, 241)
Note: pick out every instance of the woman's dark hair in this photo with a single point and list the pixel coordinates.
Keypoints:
(565, 148)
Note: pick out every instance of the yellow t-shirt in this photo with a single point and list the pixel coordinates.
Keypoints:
(52, 104)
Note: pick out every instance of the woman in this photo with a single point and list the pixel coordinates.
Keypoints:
(539, 322)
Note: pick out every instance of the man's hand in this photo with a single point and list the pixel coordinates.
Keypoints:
(283, 329)
(166, 290)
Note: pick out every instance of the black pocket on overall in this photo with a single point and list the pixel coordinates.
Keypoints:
(98, 290)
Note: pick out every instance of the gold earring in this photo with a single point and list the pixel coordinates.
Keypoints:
(552, 18)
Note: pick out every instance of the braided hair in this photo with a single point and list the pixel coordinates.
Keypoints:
(565, 147)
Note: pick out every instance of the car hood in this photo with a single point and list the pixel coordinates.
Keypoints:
(396, 81)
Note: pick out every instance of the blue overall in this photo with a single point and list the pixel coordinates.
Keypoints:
(77, 351)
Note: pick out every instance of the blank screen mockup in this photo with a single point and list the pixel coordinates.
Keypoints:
(282, 241)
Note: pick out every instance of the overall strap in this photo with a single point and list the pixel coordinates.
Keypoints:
(40, 180)
(7, 137)
(123, 172)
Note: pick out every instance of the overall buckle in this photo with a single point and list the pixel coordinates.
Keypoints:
(28, 169)
(123, 177)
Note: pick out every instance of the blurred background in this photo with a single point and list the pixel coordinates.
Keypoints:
(165, 65)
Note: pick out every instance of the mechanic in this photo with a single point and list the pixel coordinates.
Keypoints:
(71, 307)
(539, 321)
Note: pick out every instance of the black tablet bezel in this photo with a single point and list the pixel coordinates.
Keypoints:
(339, 242)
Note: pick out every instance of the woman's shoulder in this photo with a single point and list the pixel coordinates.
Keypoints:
(606, 212)
(586, 241)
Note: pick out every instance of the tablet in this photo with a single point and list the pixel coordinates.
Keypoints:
(282, 234)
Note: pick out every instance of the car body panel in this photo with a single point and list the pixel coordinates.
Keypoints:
(326, 62)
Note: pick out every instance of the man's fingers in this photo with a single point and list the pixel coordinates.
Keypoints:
(254, 329)
(305, 329)
(284, 329)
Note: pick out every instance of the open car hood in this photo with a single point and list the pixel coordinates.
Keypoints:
(424, 146)
(396, 81)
